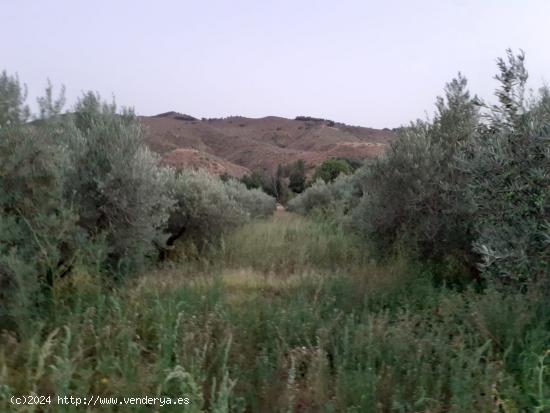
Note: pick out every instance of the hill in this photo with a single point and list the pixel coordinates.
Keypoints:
(237, 145)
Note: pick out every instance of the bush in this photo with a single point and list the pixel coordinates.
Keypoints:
(38, 231)
(261, 180)
(329, 170)
(13, 110)
(204, 211)
(37, 227)
(509, 169)
(207, 208)
(255, 202)
(334, 198)
(115, 183)
(297, 176)
(414, 194)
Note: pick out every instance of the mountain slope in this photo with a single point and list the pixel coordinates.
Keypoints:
(238, 145)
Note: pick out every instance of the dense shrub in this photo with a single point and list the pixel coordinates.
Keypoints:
(37, 227)
(414, 193)
(468, 189)
(13, 110)
(255, 202)
(333, 198)
(297, 176)
(207, 207)
(203, 211)
(260, 179)
(329, 170)
(38, 230)
(509, 170)
(115, 184)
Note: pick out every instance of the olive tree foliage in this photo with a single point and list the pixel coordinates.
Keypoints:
(13, 109)
(81, 191)
(207, 208)
(90, 107)
(332, 200)
(72, 196)
(413, 195)
(254, 202)
(509, 170)
(115, 183)
(471, 188)
(49, 108)
(37, 225)
(203, 210)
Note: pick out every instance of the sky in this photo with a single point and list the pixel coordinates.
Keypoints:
(370, 63)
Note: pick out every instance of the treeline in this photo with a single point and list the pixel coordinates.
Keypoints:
(81, 193)
(467, 191)
(312, 119)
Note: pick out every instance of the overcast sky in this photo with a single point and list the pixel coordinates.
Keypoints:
(372, 63)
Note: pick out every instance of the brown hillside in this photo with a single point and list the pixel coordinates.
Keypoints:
(238, 145)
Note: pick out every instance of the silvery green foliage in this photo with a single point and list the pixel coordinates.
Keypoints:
(48, 106)
(116, 184)
(255, 202)
(316, 196)
(37, 226)
(413, 195)
(204, 210)
(509, 169)
(13, 109)
(335, 198)
(90, 107)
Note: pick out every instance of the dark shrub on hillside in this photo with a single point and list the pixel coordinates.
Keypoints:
(312, 119)
(297, 176)
(329, 170)
(275, 185)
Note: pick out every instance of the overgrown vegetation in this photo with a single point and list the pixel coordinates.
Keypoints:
(416, 283)
(329, 170)
(81, 192)
(291, 179)
(468, 190)
(299, 335)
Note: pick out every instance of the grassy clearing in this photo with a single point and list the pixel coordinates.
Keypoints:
(250, 337)
(289, 244)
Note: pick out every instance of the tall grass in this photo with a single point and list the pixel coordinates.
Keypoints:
(247, 339)
(288, 243)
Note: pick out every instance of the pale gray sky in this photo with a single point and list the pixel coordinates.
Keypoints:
(372, 63)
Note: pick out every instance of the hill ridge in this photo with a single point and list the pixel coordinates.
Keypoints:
(237, 145)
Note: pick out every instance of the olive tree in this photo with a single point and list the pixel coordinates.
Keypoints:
(413, 195)
(509, 170)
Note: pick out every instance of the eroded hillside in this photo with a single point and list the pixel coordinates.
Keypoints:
(237, 145)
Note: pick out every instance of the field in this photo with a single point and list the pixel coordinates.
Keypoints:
(291, 316)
